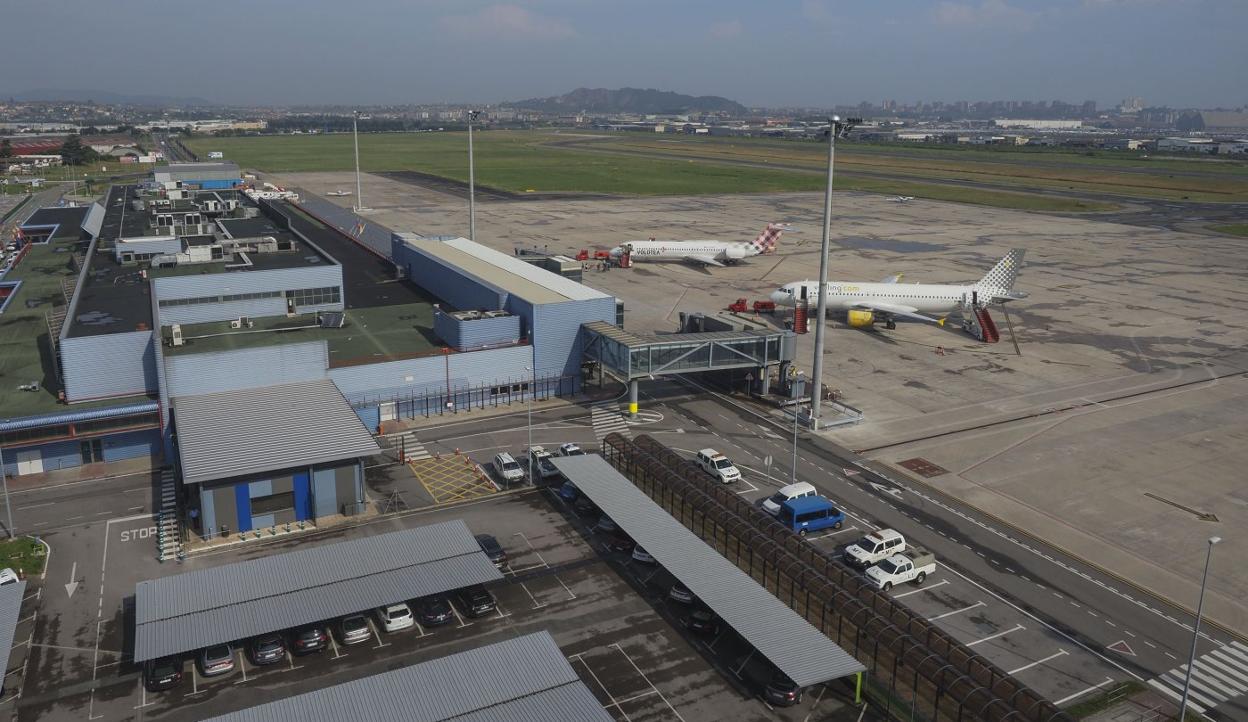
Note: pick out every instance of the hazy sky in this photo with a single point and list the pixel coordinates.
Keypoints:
(760, 52)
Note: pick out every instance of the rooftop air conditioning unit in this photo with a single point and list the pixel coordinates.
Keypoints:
(175, 338)
(494, 314)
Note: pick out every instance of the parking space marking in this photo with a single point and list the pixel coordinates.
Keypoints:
(1093, 688)
(1015, 628)
(647, 681)
(421, 628)
(836, 532)
(376, 633)
(536, 605)
(498, 609)
(1060, 652)
(941, 583)
(818, 697)
(601, 686)
(462, 623)
(571, 596)
(334, 644)
(747, 483)
(242, 665)
(540, 558)
(976, 605)
(744, 662)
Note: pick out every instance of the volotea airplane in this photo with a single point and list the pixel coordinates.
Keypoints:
(709, 253)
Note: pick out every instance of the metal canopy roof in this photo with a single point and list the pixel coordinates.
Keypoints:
(529, 680)
(780, 634)
(628, 355)
(248, 431)
(189, 611)
(11, 596)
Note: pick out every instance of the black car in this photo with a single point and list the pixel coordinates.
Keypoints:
(621, 542)
(163, 673)
(492, 549)
(476, 601)
(435, 610)
(584, 507)
(306, 640)
(782, 691)
(266, 649)
(703, 622)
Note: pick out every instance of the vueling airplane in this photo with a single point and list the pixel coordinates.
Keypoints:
(866, 303)
(710, 253)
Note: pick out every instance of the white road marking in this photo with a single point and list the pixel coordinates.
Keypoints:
(941, 583)
(1060, 652)
(1108, 680)
(976, 605)
(1015, 628)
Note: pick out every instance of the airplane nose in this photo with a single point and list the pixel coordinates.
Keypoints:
(616, 252)
(780, 298)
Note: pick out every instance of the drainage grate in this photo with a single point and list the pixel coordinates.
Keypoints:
(923, 467)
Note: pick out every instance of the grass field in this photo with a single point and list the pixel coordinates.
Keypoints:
(1234, 229)
(23, 553)
(638, 164)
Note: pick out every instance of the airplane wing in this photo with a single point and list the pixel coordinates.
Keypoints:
(706, 260)
(892, 279)
(897, 309)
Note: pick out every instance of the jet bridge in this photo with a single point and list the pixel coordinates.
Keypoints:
(630, 357)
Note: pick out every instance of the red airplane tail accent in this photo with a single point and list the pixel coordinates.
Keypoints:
(767, 240)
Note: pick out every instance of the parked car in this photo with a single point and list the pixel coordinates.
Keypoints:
(507, 468)
(606, 525)
(679, 593)
(543, 467)
(643, 556)
(570, 449)
(584, 507)
(476, 601)
(354, 629)
(717, 465)
(782, 691)
(800, 490)
(163, 673)
(875, 548)
(912, 565)
(8, 576)
(492, 549)
(216, 660)
(568, 491)
(306, 640)
(810, 514)
(266, 649)
(395, 617)
(620, 542)
(703, 622)
(434, 610)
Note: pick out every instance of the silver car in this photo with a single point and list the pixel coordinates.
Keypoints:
(215, 660)
(354, 629)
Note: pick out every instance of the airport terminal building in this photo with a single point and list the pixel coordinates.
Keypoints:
(177, 317)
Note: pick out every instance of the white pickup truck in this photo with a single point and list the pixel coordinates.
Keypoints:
(875, 548)
(912, 565)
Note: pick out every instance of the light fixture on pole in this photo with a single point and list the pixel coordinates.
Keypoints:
(472, 182)
(359, 188)
(836, 128)
(1200, 608)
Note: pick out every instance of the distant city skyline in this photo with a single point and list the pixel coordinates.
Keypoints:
(797, 53)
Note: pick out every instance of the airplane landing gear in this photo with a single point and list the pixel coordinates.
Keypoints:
(890, 324)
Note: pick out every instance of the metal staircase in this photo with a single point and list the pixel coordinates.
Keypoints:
(168, 527)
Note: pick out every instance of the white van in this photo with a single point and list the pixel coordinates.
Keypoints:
(793, 491)
(718, 466)
(507, 468)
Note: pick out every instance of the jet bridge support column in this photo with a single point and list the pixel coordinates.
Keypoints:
(632, 398)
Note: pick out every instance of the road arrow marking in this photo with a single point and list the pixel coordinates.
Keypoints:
(1121, 647)
(850, 472)
(73, 584)
(1201, 515)
(896, 493)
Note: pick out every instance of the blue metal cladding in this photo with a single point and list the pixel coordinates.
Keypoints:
(458, 288)
(557, 335)
(207, 373)
(303, 502)
(132, 445)
(466, 335)
(217, 284)
(113, 364)
(242, 497)
(371, 416)
(56, 455)
(215, 184)
(324, 492)
(415, 377)
(69, 417)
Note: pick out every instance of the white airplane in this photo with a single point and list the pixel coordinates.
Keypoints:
(710, 253)
(865, 303)
(901, 199)
(338, 193)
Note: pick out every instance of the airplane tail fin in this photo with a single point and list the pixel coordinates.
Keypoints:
(1005, 273)
(767, 240)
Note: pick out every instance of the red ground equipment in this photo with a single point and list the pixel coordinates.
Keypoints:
(737, 306)
(764, 307)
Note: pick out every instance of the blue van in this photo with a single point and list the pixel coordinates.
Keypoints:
(810, 513)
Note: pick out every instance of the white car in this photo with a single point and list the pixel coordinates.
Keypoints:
(570, 449)
(8, 576)
(718, 466)
(643, 556)
(799, 490)
(507, 468)
(396, 617)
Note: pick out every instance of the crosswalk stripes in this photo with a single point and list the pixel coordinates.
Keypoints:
(413, 450)
(606, 418)
(1219, 675)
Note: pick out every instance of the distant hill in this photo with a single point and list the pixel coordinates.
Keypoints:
(103, 96)
(631, 100)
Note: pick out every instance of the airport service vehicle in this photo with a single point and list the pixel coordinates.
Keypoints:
(434, 611)
(396, 617)
(266, 649)
(476, 601)
(216, 660)
(865, 303)
(492, 549)
(875, 548)
(810, 513)
(354, 629)
(742, 304)
(164, 673)
(507, 468)
(570, 449)
(543, 467)
(912, 565)
(705, 252)
(306, 640)
(782, 691)
(800, 490)
(717, 465)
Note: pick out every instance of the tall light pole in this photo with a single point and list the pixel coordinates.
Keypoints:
(4, 478)
(355, 134)
(835, 127)
(797, 410)
(1200, 608)
(472, 183)
(532, 392)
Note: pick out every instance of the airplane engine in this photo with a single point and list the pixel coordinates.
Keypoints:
(860, 319)
(732, 253)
